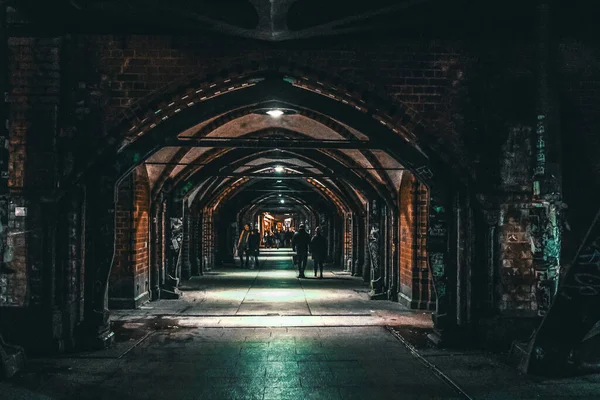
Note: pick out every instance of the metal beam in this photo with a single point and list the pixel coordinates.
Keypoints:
(278, 143)
(278, 191)
(272, 176)
(268, 165)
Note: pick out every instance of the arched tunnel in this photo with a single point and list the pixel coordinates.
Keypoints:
(232, 197)
(286, 156)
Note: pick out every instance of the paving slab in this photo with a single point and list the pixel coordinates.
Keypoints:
(264, 334)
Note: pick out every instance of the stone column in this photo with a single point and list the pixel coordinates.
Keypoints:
(155, 242)
(442, 267)
(12, 358)
(365, 243)
(186, 266)
(95, 332)
(375, 249)
(394, 281)
(173, 234)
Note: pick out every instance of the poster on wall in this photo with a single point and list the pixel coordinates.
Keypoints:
(176, 233)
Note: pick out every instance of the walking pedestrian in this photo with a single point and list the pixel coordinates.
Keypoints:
(318, 249)
(300, 243)
(254, 247)
(277, 238)
(243, 246)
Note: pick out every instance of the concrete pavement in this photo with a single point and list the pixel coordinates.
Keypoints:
(264, 334)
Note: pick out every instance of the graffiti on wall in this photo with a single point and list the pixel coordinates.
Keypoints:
(437, 229)
(585, 282)
(540, 158)
(438, 270)
(545, 236)
(437, 244)
(374, 248)
(574, 310)
(176, 233)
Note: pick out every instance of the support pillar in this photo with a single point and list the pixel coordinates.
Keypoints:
(186, 265)
(375, 250)
(394, 280)
(441, 266)
(95, 331)
(156, 259)
(365, 243)
(572, 311)
(12, 358)
(172, 238)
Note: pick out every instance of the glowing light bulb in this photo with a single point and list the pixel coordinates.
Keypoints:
(279, 168)
(275, 113)
(282, 201)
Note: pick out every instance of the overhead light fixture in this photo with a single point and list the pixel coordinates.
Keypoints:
(279, 194)
(278, 180)
(279, 169)
(275, 113)
(282, 201)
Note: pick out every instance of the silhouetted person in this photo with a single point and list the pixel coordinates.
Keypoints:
(288, 237)
(243, 245)
(300, 243)
(277, 238)
(318, 249)
(254, 246)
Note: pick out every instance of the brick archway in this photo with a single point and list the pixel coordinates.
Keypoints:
(383, 122)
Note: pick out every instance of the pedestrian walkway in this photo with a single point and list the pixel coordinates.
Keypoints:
(265, 334)
(272, 295)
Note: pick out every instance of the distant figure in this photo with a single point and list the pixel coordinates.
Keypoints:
(254, 247)
(288, 237)
(277, 238)
(318, 249)
(300, 243)
(243, 245)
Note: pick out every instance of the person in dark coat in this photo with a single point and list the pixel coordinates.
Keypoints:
(254, 246)
(300, 243)
(242, 245)
(318, 249)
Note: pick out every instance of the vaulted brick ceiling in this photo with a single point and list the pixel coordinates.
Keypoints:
(171, 164)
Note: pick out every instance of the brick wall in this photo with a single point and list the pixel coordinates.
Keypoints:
(34, 65)
(121, 272)
(136, 66)
(516, 284)
(407, 233)
(416, 285)
(141, 241)
(129, 279)
(424, 76)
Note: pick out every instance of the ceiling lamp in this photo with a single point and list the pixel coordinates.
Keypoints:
(279, 181)
(282, 201)
(276, 113)
(279, 169)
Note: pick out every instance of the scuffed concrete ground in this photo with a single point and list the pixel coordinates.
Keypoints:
(246, 334)
(274, 294)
